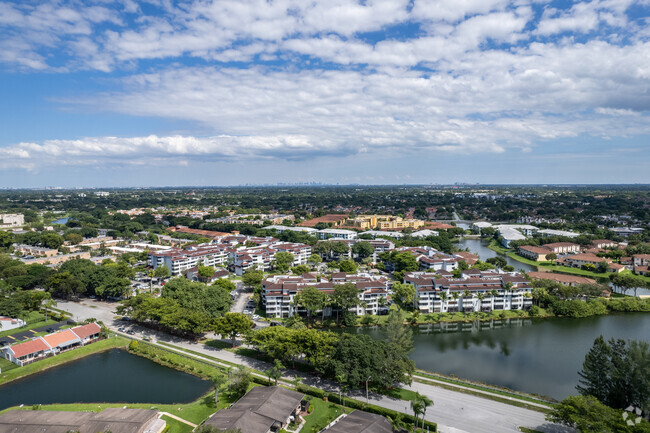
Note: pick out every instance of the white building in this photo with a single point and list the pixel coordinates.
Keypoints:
(390, 234)
(337, 234)
(549, 232)
(280, 229)
(424, 233)
(7, 323)
(177, 260)
(11, 220)
(474, 291)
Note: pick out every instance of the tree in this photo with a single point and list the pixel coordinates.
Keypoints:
(497, 261)
(300, 269)
(282, 261)
(6, 239)
(205, 272)
(51, 240)
(74, 238)
(346, 296)
(240, 379)
(252, 277)
(404, 294)
(347, 266)
(231, 324)
(588, 415)
(314, 259)
(418, 407)
(161, 272)
(64, 284)
(426, 402)
(276, 371)
(594, 376)
(311, 299)
(218, 381)
(398, 336)
(363, 249)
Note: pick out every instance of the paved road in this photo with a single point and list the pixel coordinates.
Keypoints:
(455, 412)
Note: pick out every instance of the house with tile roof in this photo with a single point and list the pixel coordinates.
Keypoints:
(27, 352)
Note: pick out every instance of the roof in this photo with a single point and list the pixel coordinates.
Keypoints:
(61, 338)
(536, 250)
(329, 218)
(87, 330)
(258, 410)
(29, 347)
(362, 422)
(114, 420)
(561, 278)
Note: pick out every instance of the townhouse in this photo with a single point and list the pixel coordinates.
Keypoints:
(473, 291)
(534, 253)
(51, 344)
(35, 251)
(431, 259)
(580, 260)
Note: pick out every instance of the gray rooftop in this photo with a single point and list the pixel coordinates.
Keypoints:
(362, 422)
(257, 411)
(114, 419)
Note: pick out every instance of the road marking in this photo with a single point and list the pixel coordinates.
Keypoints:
(32, 331)
(11, 337)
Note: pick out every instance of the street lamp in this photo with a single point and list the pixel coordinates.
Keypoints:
(367, 399)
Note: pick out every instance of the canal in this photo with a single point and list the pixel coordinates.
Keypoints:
(114, 376)
(539, 356)
(480, 247)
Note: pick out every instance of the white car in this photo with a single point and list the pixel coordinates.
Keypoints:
(256, 317)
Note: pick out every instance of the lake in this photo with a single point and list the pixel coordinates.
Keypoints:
(114, 376)
(539, 356)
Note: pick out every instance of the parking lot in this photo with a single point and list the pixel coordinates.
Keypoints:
(29, 334)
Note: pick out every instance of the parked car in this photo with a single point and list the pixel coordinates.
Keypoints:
(130, 332)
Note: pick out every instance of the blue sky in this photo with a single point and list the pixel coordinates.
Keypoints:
(199, 92)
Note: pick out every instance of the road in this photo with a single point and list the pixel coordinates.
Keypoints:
(455, 412)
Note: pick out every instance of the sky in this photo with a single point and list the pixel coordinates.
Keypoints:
(104, 93)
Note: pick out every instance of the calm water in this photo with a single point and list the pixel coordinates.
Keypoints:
(478, 246)
(114, 376)
(535, 356)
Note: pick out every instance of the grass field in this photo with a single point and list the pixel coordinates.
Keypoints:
(176, 426)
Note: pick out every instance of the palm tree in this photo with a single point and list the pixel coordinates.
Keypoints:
(426, 402)
(480, 297)
(341, 379)
(466, 294)
(417, 406)
(494, 293)
(509, 288)
(443, 298)
(218, 381)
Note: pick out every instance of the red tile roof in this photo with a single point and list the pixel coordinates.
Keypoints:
(29, 347)
(60, 338)
(87, 330)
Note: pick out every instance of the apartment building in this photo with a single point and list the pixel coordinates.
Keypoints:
(261, 257)
(534, 253)
(11, 220)
(279, 291)
(431, 259)
(30, 250)
(383, 222)
(179, 260)
(563, 247)
(473, 291)
(337, 234)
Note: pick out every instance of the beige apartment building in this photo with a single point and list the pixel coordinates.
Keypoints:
(384, 222)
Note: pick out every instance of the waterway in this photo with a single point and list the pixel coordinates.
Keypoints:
(539, 356)
(480, 247)
(114, 376)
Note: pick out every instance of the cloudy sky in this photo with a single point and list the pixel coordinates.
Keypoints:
(224, 92)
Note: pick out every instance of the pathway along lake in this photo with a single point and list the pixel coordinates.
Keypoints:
(114, 376)
(539, 356)
(480, 247)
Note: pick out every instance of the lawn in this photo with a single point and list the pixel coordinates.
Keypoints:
(80, 352)
(6, 365)
(322, 414)
(176, 426)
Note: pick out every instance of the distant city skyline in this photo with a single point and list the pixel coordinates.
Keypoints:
(233, 92)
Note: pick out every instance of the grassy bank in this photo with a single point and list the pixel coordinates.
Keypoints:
(44, 364)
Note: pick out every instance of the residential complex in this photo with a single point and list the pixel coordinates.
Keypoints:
(279, 291)
(51, 344)
(474, 291)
